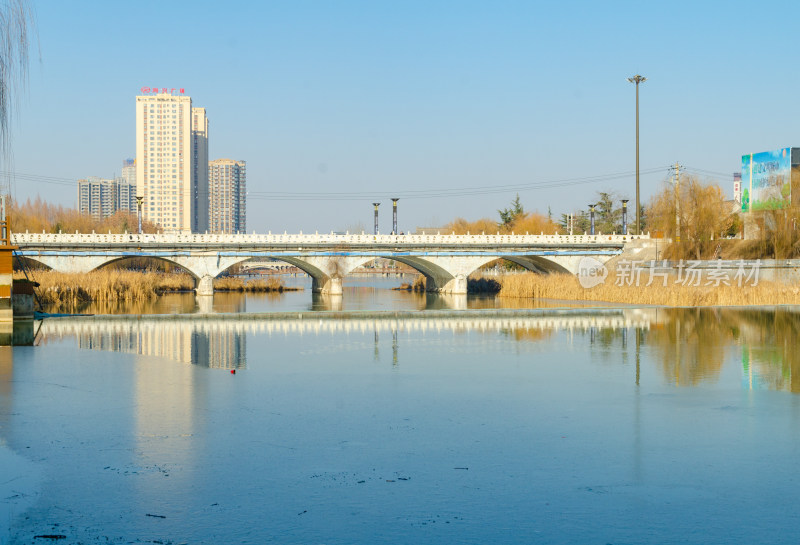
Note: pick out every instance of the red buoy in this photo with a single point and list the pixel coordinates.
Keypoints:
(233, 371)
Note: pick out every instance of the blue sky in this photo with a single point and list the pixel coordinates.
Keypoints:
(367, 99)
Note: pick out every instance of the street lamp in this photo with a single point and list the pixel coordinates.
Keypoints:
(637, 79)
(625, 216)
(591, 215)
(139, 211)
(394, 215)
(376, 205)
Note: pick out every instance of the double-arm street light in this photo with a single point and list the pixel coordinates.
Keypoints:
(637, 79)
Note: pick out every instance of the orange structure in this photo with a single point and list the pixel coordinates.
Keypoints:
(6, 267)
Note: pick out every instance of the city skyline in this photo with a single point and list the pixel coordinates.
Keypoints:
(363, 102)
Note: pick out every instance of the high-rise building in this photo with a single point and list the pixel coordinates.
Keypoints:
(227, 192)
(167, 167)
(96, 196)
(125, 195)
(126, 186)
(129, 171)
(102, 198)
(200, 169)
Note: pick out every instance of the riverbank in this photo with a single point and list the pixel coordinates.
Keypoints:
(568, 287)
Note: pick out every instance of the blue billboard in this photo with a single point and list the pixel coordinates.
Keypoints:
(766, 180)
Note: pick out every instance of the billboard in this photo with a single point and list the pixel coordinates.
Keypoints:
(767, 180)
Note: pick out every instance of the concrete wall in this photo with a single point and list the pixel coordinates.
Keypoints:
(786, 271)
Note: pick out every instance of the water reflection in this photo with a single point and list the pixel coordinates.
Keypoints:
(219, 340)
(691, 346)
(769, 353)
(687, 346)
(200, 342)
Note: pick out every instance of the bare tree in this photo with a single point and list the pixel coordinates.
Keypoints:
(17, 25)
(694, 215)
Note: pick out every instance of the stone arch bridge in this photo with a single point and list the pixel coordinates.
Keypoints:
(445, 260)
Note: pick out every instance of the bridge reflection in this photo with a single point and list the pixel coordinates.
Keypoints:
(220, 340)
(685, 346)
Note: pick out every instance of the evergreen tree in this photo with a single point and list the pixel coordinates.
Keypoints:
(509, 215)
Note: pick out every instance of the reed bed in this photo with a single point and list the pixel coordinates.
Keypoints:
(232, 283)
(418, 285)
(69, 291)
(567, 287)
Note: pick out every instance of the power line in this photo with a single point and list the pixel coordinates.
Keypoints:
(441, 193)
(37, 178)
(707, 172)
(404, 194)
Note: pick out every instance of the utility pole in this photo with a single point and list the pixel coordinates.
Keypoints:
(677, 183)
(637, 79)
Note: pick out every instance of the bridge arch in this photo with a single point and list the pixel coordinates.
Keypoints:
(539, 264)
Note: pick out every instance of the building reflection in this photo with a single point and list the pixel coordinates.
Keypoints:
(207, 343)
(769, 354)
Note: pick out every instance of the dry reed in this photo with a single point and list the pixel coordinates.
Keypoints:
(567, 287)
(418, 285)
(232, 283)
(69, 291)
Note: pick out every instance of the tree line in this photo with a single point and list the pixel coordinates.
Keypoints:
(693, 216)
(40, 216)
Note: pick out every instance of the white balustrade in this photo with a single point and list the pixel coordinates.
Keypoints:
(172, 239)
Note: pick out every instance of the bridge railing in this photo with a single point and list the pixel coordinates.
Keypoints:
(26, 238)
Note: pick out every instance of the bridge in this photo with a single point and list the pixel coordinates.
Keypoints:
(445, 260)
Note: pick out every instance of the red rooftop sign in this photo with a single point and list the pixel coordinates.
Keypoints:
(162, 90)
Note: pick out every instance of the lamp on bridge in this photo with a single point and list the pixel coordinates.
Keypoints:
(376, 205)
(625, 216)
(394, 215)
(139, 211)
(591, 216)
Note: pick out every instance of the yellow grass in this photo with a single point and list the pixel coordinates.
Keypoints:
(232, 283)
(567, 287)
(67, 291)
(418, 285)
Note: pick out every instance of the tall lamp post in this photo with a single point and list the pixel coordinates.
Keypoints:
(394, 215)
(637, 79)
(376, 205)
(139, 212)
(625, 216)
(591, 212)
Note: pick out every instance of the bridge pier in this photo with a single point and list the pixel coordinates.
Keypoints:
(205, 286)
(328, 285)
(456, 286)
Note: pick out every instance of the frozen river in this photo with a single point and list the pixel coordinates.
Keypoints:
(539, 426)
